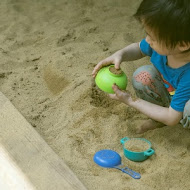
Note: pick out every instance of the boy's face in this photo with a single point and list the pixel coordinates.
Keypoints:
(159, 47)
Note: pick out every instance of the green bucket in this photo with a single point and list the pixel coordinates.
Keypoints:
(105, 79)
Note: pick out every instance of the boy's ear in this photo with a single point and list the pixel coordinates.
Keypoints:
(184, 46)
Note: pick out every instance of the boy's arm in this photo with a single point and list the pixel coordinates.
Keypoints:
(168, 116)
(129, 53)
(165, 115)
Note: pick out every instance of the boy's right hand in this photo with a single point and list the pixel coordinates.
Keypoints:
(114, 59)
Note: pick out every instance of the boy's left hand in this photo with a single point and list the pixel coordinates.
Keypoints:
(121, 95)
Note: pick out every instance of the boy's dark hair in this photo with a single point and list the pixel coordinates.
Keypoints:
(169, 20)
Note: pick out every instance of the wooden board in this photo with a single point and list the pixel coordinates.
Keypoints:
(26, 161)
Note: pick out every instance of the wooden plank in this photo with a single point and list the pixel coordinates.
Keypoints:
(26, 157)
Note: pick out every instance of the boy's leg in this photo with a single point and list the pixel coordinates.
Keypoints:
(186, 116)
(149, 86)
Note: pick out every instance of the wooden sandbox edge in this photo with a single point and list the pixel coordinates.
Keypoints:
(26, 160)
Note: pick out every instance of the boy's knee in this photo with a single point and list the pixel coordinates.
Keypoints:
(187, 109)
(144, 76)
(186, 116)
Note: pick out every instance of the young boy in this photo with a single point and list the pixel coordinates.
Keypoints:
(163, 87)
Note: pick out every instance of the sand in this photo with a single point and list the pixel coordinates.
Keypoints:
(136, 145)
(48, 49)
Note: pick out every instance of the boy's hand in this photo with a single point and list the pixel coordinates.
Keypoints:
(114, 59)
(121, 95)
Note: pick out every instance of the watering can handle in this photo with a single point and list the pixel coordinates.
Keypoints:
(122, 141)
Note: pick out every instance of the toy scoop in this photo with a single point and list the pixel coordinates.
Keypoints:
(107, 76)
(111, 159)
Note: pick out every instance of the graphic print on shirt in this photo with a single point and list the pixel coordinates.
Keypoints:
(168, 86)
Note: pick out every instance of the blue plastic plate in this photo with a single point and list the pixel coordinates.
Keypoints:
(107, 158)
